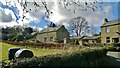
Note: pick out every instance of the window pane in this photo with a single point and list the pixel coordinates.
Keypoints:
(107, 39)
(107, 29)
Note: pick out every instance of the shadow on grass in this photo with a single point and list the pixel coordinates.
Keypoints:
(112, 61)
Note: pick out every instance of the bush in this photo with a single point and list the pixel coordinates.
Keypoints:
(87, 57)
(117, 44)
(111, 48)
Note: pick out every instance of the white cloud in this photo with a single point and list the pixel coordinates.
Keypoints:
(7, 18)
(3, 2)
(60, 14)
(96, 18)
(37, 28)
(10, 24)
(6, 15)
(45, 26)
(32, 15)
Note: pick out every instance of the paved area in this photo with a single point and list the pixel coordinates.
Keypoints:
(114, 57)
(114, 54)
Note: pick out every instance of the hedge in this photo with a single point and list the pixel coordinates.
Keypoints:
(87, 57)
(35, 44)
(112, 48)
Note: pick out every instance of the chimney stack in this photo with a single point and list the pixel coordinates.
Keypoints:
(106, 20)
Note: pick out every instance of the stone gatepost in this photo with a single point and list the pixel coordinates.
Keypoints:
(66, 40)
(119, 39)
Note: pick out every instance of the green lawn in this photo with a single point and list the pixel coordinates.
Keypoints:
(37, 51)
(108, 61)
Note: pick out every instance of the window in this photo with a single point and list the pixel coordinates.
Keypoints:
(107, 29)
(115, 40)
(51, 38)
(45, 39)
(107, 39)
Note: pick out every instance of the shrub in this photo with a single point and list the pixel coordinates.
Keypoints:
(117, 44)
(111, 48)
(85, 57)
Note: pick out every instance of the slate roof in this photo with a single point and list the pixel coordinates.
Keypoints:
(91, 37)
(112, 22)
(85, 37)
(76, 37)
(51, 29)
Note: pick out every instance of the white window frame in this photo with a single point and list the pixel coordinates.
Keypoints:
(107, 29)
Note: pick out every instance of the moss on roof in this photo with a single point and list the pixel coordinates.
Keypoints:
(51, 29)
(85, 37)
(112, 22)
(91, 37)
(76, 37)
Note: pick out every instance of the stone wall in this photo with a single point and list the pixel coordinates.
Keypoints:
(111, 34)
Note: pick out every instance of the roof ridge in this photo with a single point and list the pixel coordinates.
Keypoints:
(49, 29)
(111, 22)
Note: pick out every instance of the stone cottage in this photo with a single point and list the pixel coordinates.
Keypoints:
(109, 31)
(86, 39)
(76, 38)
(52, 34)
(91, 40)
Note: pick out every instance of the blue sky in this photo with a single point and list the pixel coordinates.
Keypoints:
(60, 16)
(115, 10)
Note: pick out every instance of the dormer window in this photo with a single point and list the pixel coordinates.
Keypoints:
(107, 29)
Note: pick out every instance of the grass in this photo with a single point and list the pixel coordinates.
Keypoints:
(108, 61)
(37, 51)
(40, 51)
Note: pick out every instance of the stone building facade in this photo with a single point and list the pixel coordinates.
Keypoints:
(53, 34)
(109, 31)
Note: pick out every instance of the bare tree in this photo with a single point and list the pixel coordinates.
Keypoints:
(80, 3)
(80, 26)
(82, 6)
(92, 30)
